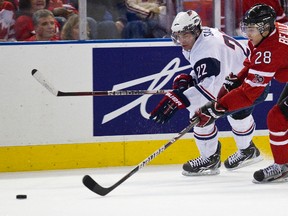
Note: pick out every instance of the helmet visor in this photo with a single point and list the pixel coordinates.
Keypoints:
(180, 37)
(249, 30)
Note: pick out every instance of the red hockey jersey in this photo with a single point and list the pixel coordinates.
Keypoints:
(266, 61)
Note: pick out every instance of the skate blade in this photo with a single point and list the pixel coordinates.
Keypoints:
(203, 173)
(276, 181)
(247, 163)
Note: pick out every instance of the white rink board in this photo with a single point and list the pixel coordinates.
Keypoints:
(30, 115)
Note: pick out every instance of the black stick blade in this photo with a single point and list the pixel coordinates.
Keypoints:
(33, 71)
(94, 186)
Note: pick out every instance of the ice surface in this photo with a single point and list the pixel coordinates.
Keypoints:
(154, 190)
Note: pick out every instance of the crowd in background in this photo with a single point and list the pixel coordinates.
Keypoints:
(48, 20)
(30, 20)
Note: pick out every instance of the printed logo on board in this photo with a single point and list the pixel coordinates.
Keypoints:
(167, 73)
(143, 68)
(133, 68)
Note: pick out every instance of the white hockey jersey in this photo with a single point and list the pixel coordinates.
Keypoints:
(213, 57)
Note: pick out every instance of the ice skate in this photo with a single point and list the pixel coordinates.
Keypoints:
(203, 166)
(243, 157)
(272, 173)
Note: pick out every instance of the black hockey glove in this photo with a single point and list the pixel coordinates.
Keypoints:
(168, 106)
(183, 82)
(283, 105)
(231, 82)
(208, 113)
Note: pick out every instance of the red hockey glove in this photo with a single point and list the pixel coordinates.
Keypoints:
(168, 106)
(208, 113)
(183, 82)
(231, 82)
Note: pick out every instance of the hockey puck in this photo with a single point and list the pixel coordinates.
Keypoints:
(21, 196)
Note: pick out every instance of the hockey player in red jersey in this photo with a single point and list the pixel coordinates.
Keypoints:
(268, 43)
(213, 55)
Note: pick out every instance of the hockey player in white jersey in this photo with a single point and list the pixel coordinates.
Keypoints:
(215, 57)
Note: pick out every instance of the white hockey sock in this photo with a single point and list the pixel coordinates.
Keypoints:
(206, 140)
(243, 130)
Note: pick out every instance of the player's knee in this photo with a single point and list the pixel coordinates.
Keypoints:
(242, 114)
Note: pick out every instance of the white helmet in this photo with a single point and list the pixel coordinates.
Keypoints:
(186, 21)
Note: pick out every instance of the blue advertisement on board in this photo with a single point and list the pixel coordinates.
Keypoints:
(145, 68)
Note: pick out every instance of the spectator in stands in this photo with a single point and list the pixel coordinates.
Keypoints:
(98, 10)
(44, 25)
(55, 4)
(275, 4)
(120, 24)
(145, 9)
(15, 3)
(103, 10)
(24, 27)
(148, 12)
(70, 30)
(133, 19)
(64, 11)
(143, 29)
(7, 11)
(107, 30)
(61, 11)
(136, 29)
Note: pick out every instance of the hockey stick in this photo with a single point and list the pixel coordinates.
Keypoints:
(40, 78)
(91, 184)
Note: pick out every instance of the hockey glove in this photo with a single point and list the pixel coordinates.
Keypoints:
(231, 82)
(283, 105)
(208, 113)
(168, 106)
(183, 82)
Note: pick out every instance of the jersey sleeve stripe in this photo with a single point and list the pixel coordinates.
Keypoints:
(204, 92)
(253, 84)
(261, 73)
